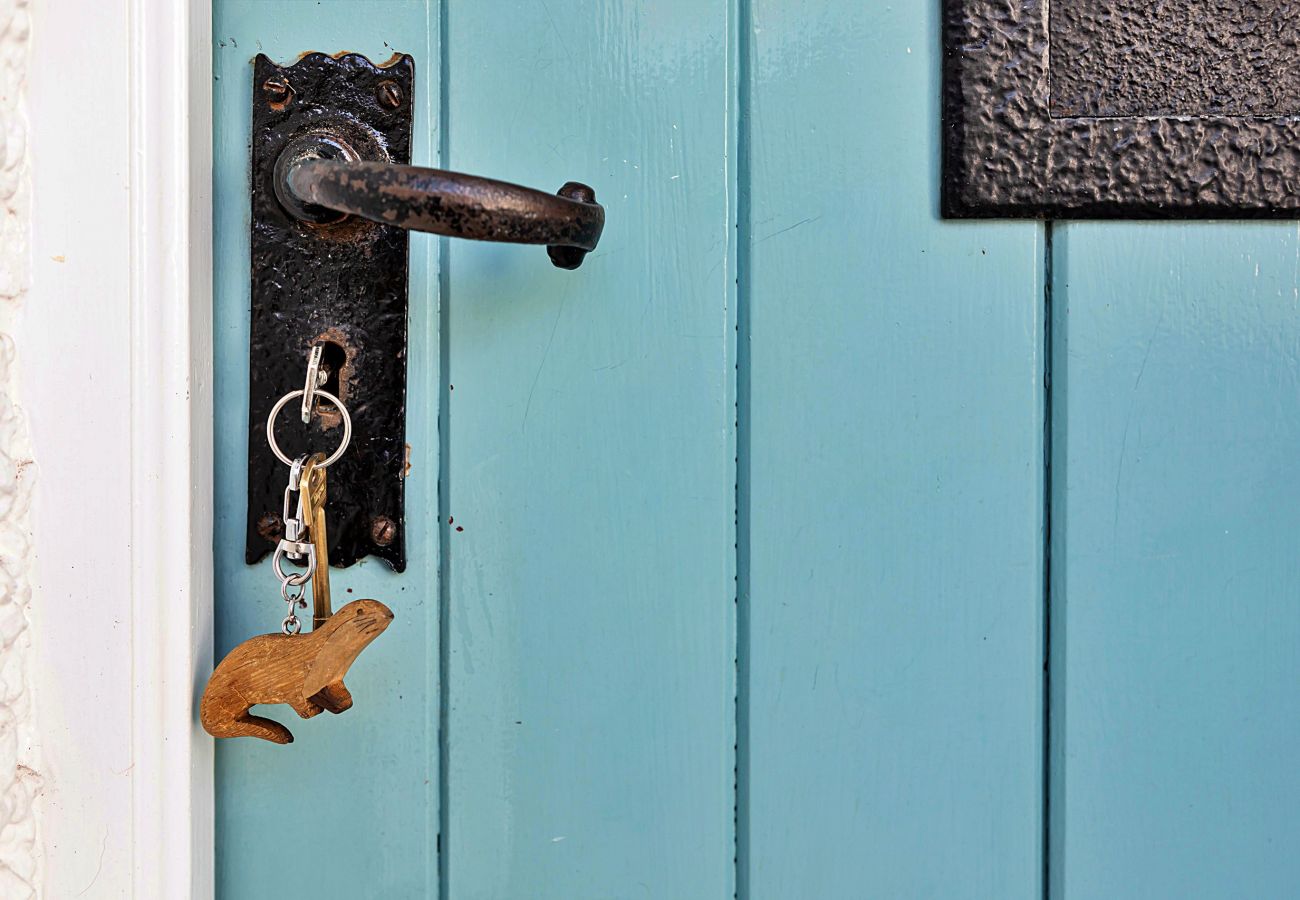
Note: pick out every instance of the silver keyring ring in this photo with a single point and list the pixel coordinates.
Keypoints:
(300, 591)
(338, 404)
(294, 578)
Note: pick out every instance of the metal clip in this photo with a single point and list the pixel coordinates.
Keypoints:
(315, 378)
(303, 550)
(294, 526)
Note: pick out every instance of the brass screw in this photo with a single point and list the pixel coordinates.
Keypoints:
(389, 94)
(383, 531)
(276, 89)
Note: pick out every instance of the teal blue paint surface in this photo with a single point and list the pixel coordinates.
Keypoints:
(1175, 715)
(591, 653)
(895, 460)
(350, 808)
(590, 428)
(582, 706)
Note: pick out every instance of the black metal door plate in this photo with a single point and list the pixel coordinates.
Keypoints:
(340, 283)
(1121, 108)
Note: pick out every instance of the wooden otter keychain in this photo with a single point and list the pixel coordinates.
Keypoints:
(304, 671)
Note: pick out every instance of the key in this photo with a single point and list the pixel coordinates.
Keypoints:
(311, 505)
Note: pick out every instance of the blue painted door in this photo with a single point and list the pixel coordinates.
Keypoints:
(801, 544)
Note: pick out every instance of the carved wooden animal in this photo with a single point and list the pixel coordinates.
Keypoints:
(303, 670)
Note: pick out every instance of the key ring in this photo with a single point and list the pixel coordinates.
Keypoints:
(294, 578)
(338, 404)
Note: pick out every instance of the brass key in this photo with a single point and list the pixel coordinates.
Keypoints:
(311, 493)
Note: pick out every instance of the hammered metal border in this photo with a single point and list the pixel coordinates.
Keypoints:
(1004, 156)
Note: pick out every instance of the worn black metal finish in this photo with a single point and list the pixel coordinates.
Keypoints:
(1121, 108)
(329, 176)
(340, 281)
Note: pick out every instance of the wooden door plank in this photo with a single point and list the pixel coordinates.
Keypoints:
(350, 809)
(892, 466)
(591, 475)
(1175, 718)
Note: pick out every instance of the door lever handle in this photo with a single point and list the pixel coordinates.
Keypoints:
(320, 179)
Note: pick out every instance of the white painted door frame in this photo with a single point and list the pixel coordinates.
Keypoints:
(116, 379)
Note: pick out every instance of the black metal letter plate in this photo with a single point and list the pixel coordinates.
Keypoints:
(341, 285)
(1121, 108)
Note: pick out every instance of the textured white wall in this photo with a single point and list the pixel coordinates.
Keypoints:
(20, 781)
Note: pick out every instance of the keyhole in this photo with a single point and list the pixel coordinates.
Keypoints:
(332, 360)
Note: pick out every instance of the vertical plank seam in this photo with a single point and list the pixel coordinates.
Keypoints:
(444, 474)
(740, 52)
(1047, 560)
